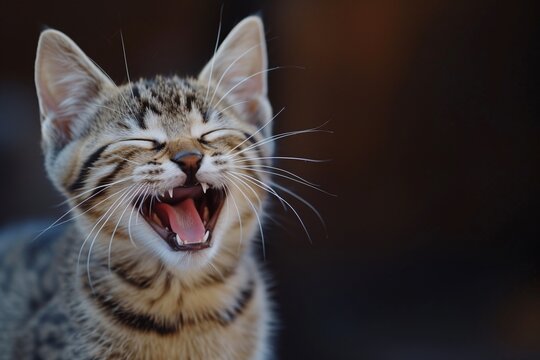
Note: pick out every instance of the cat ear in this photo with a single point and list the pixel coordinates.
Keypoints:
(67, 82)
(238, 71)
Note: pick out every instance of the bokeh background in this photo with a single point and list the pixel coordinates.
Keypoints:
(433, 239)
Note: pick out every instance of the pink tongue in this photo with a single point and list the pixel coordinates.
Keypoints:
(184, 220)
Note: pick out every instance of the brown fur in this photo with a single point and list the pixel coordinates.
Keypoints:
(115, 289)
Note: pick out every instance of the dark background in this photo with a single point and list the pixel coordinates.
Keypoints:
(432, 248)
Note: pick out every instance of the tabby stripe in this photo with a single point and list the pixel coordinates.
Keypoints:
(165, 290)
(108, 178)
(190, 99)
(141, 322)
(146, 105)
(252, 141)
(250, 138)
(232, 313)
(140, 119)
(214, 279)
(147, 323)
(85, 169)
(135, 92)
(140, 282)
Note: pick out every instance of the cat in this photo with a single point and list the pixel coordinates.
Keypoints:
(161, 176)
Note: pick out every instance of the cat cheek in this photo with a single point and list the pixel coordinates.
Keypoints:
(210, 173)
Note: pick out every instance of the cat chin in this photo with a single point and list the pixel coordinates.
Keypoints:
(174, 260)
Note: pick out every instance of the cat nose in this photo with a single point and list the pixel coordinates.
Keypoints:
(189, 161)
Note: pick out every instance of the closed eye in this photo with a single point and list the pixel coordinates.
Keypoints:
(213, 135)
(150, 144)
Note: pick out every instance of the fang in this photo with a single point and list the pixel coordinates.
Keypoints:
(178, 240)
(204, 187)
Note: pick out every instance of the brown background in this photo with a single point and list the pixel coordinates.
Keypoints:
(432, 248)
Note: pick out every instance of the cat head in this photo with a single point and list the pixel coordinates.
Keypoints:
(166, 166)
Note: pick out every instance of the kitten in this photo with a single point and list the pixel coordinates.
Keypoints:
(161, 175)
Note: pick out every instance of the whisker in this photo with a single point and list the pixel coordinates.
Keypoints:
(116, 205)
(293, 179)
(246, 79)
(305, 202)
(57, 221)
(251, 177)
(93, 189)
(233, 174)
(143, 187)
(278, 137)
(89, 209)
(255, 212)
(230, 106)
(129, 199)
(257, 166)
(255, 133)
(282, 158)
(141, 204)
(216, 270)
(94, 227)
(119, 93)
(273, 192)
(238, 213)
(126, 64)
(226, 71)
(214, 56)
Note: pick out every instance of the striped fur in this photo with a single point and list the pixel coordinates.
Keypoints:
(115, 290)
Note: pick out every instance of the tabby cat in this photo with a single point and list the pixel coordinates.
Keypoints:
(161, 176)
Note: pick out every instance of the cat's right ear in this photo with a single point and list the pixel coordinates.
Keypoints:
(67, 83)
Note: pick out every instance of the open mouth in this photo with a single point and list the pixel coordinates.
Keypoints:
(184, 216)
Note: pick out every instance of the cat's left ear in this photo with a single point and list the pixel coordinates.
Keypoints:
(238, 72)
(67, 83)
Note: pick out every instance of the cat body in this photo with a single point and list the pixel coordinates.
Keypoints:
(160, 177)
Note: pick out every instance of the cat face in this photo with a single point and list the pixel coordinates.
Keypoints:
(161, 166)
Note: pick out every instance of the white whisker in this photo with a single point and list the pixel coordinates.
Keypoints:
(256, 214)
(214, 56)
(226, 71)
(116, 205)
(244, 80)
(255, 167)
(273, 192)
(293, 179)
(282, 158)
(94, 227)
(93, 189)
(230, 106)
(305, 202)
(128, 200)
(239, 217)
(126, 65)
(278, 137)
(57, 221)
(255, 133)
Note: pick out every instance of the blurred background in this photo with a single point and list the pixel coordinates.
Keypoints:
(433, 239)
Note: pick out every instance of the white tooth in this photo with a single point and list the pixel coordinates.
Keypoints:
(206, 234)
(178, 240)
(162, 194)
(171, 193)
(204, 187)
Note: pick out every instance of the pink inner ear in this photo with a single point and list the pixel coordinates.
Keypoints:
(63, 125)
(67, 83)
